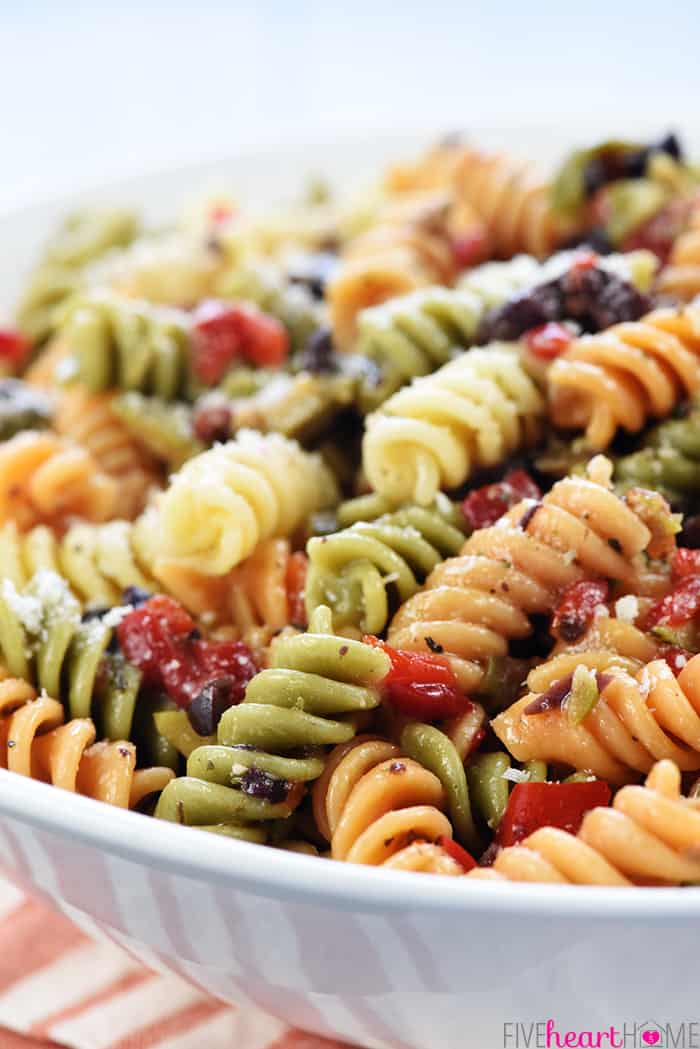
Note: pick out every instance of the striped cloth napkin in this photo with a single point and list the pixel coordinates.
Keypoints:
(58, 988)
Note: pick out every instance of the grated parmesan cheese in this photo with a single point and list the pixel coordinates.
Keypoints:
(627, 608)
(28, 608)
(516, 775)
(115, 615)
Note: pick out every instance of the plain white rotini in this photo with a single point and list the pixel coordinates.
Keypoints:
(223, 502)
(473, 412)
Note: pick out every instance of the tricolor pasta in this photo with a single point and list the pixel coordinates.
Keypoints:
(304, 539)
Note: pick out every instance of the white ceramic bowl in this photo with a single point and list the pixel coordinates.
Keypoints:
(379, 958)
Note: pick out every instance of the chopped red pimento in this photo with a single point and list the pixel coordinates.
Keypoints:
(470, 249)
(562, 805)
(685, 562)
(421, 686)
(161, 639)
(676, 658)
(453, 849)
(297, 567)
(576, 608)
(678, 607)
(14, 346)
(585, 260)
(485, 505)
(549, 340)
(224, 332)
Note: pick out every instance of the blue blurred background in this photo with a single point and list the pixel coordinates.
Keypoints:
(92, 91)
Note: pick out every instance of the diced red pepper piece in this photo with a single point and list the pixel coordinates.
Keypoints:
(14, 346)
(678, 607)
(562, 805)
(421, 686)
(453, 849)
(224, 332)
(549, 340)
(297, 567)
(161, 639)
(485, 505)
(685, 562)
(576, 609)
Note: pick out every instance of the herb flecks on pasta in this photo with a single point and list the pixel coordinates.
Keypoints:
(304, 536)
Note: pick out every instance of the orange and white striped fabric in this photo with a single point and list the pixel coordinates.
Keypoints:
(59, 988)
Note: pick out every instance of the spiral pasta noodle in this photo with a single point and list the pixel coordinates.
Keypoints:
(355, 570)
(90, 419)
(626, 375)
(650, 836)
(36, 741)
(44, 641)
(668, 461)
(222, 503)
(405, 250)
(264, 528)
(129, 344)
(47, 479)
(411, 335)
(171, 269)
(473, 412)
(512, 201)
(636, 721)
(307, 698)
(378, 807)
(473, 604)
(82, 238)
(93, 423)
(681, 275)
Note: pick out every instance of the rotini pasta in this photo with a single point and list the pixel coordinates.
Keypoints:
(634, 722)
(667, 461)
(172, 269)
(119, 342)
(473, 412)
(44, 641)
(47, 479)
(358, 620)
(411, 335)
(627, 375)
(35, 741)
(472, 605)
(513, 203)
(407, 249)
(82, 238)
(93, 422)
(681, 276)
(356, 570)
(315, 684)
(376, 806)
(224, 501)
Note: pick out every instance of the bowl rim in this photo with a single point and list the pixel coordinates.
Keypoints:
(191, 853)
